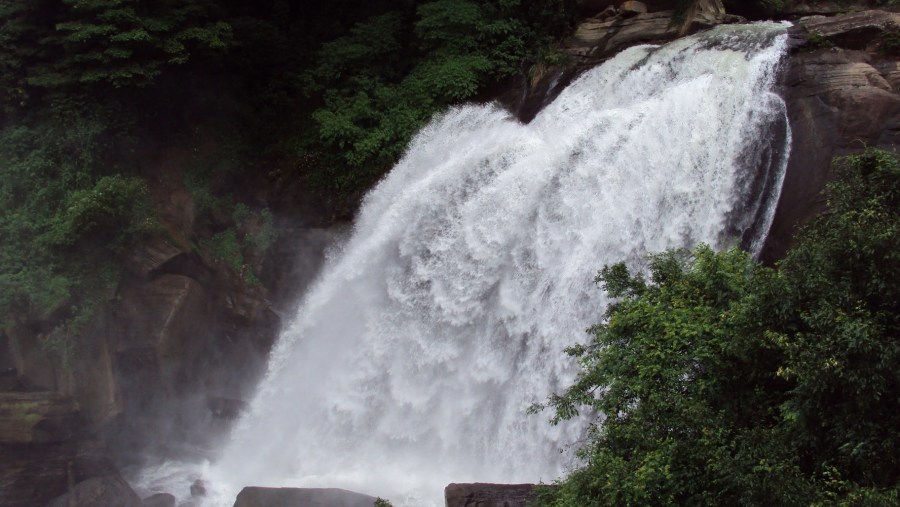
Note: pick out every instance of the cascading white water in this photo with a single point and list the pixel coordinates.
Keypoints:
(412, 360)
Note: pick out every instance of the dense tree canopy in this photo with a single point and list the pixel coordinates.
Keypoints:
(334, 89)
(724, 382)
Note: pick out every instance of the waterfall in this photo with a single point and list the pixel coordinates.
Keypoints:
(411, 361)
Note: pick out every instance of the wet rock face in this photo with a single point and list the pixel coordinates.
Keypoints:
(106, 491)
(839, 101)
(302, 497)
(38, 446)
(857, 30)
(37, 418)
(159, 500)
(489, 495)
(33, 474)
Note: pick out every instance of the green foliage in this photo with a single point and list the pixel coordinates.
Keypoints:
(61, 43)
(64, 223)
(815, 40)
(890, 40)
(226, 247)
(242, 234)
(381, 502)
(329, 91)
(385, 79)
(251, 236)
(724, 382)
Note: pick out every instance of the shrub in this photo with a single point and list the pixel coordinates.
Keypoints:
(720, 381)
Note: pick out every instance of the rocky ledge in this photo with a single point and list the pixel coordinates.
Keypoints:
(302, 497)
(489, 495)
(842, 91)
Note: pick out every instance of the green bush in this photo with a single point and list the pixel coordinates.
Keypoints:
(384, 80)
(66, 218)
(719, 381)
(61, 43)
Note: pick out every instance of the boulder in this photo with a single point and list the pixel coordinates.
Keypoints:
(632, 7)
(166, 321)
(851, 31)
(9, 379)
(34, 367)
(489, 495)
(302, 497)
(159, 500)
(598, 38)
(225, 408)
(148, 257)
(839, 101)
(36, 418)
(198, 488)
(106, 491)
(704, 14)
(806, 8)
(33, 474)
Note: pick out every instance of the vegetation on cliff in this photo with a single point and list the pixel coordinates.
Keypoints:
(725, 382)
(91, 90)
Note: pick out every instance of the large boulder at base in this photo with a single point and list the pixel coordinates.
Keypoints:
(33, 474)
(107, 491)
(839, 101)
(159, 500)
(488, 495)
(302, 497)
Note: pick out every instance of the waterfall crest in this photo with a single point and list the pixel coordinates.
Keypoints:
(411, 361)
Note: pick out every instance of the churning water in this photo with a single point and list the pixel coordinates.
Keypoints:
(412, 360)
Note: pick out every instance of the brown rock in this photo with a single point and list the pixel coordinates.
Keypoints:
(166, 327)
(838, 103)
(150, 256)
(890, 71)
(159, 500)
(107, 491)
(33, 474)
(813, 8)
(198, 488)
(302, 497)
(9, 379)
(851, 31)
(595, 39)
(36, 370)
(489, 495)
(703, 14)
(32, 418)
(632, 7)
(225, 408)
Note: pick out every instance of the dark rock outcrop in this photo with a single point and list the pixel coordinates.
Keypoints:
(106, 491)
(159, 500)
(601, 37)
(37, 418)
(839, 101)
(301, 497)
(614, 27)
(857, 30)
(42, 448)
(488, 495)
